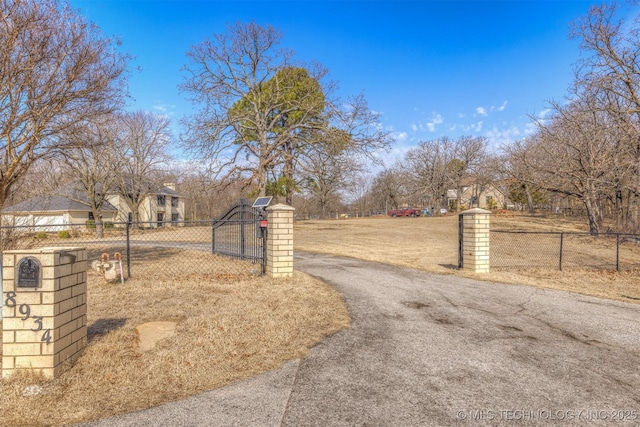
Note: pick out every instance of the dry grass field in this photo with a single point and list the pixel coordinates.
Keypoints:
(230, 326)
(431, 244)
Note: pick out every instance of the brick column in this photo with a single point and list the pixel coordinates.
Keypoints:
(44, 309)
(280, 240)
(474, 240)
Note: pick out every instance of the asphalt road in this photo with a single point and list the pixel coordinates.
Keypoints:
(430, 350)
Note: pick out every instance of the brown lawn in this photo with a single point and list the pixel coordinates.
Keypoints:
(431, 244)
(232, 324)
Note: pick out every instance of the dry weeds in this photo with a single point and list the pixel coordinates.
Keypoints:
(230, 326)
(431, 244)
(233, 325)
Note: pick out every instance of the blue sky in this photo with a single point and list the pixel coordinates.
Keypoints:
(431, 68)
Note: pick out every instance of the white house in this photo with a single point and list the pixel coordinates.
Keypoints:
(485, 196)
(162, 207)
(54, 213)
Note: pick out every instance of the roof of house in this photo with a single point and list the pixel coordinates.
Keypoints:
(147, 187)
(168, 191)
(56, 203)
(69, 198)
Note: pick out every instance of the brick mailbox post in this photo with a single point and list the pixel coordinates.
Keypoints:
(44, 309)
(473, 238)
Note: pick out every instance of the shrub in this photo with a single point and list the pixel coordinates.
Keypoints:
(64, 234)
(108, 224)
(41, 235)
(90, 223)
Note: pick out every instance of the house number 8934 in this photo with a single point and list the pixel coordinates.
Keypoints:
(25, 311)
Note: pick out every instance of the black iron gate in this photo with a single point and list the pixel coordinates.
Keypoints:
(238, 234)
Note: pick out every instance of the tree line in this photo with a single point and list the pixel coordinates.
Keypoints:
(584, 154)
(265, 123)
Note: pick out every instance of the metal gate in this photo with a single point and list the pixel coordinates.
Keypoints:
(238, 234)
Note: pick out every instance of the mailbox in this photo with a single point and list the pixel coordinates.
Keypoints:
(28, 273)
(262, 229)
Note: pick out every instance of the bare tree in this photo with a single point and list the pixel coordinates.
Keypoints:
(225, 70)
(260, 114)
(93, 164)
(425, 167)
(389, 189)
(574, 153)
(434, 167)
(515, 164)
(325, 174)
(469, 153)
(56, 70)
(142, 142)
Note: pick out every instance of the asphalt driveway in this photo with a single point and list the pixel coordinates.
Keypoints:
(430, 350)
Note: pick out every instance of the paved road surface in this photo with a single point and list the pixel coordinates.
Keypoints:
(430, 350)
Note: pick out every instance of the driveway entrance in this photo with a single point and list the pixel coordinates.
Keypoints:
(429, 350)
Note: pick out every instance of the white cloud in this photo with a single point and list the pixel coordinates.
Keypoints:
(481, 111)
(544, 113)
(430, 126)
(436, 119)
(164, 108)
(530, 128)
(499, 137)
(500, 108)
(400, 136)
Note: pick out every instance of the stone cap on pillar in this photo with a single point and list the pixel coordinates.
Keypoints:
(281, 207)
(45, 250)
(475, 211)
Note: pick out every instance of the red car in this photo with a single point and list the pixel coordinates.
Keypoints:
(404, 212)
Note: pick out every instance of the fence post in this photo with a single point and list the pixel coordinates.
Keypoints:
(460, 241)
(617, 251)
(474, 245)
(129, 223)
(243, 209)
(213, 236)
(561, 248)
(280, 240)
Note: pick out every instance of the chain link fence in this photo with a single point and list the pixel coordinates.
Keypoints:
(564, 250)
(223, 248)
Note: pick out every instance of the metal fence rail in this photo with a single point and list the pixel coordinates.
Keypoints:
(564, 250)
(178, 245)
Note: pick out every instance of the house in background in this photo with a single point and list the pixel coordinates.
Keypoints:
(476, 195)
(162, 207)
(55, 213)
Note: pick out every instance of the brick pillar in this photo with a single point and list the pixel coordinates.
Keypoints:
(474, 240)
(280, 240)
(44, 309)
